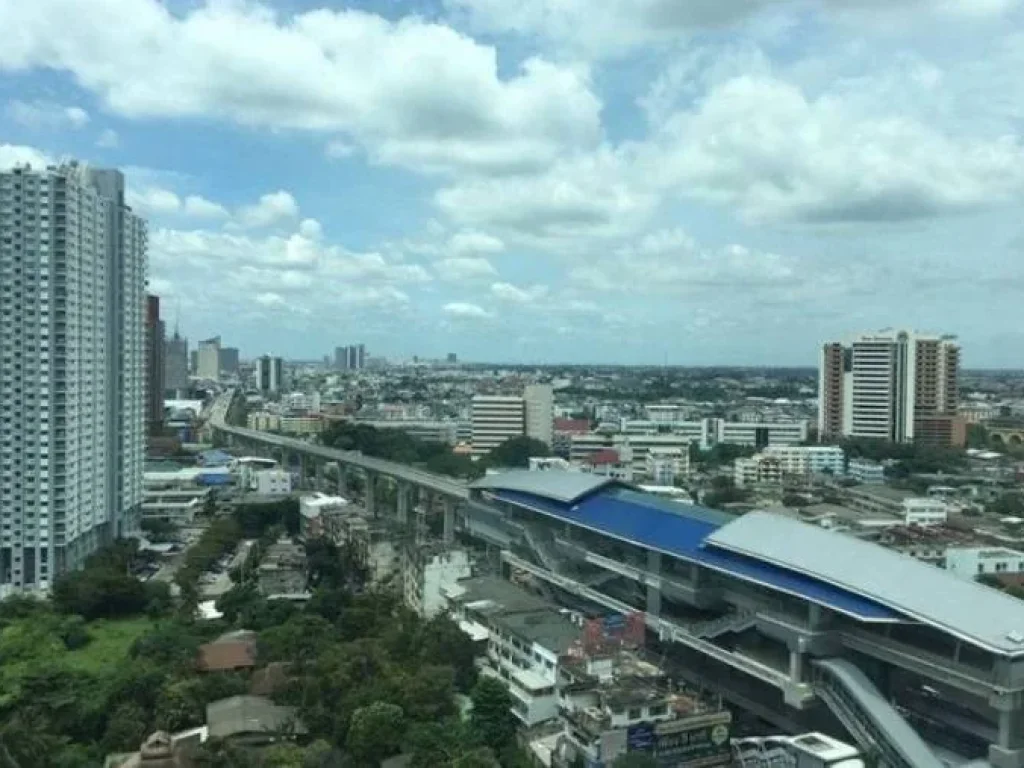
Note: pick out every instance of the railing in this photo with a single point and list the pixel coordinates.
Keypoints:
(869, 718)
(544, 552)
(665, 629)
(733, 622)
(971, 679)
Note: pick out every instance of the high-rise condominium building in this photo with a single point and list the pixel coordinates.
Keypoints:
(892, 385)
(229, 361)
(155, 348)
(496, 418)
(540, 412)
(208, 359)
(269, 374)
(176, 363)
(72, 383)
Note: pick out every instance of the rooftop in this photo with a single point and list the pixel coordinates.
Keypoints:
(557, 486)
(237, 715)
(968, 610)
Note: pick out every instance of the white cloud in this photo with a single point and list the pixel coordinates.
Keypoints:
(15, 154)
(153, 201)
(201, 208)
(761, 144)
(310, 228)
(430, 98)
(471, 243)
(108, 139)
(464, 268)
(339, 150)
(587, 195)
(272, 208)
(625, 24)
(270, 299)
(46, 114)
(464, 310)
(516, 295)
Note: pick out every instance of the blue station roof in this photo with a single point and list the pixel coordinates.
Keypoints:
(681, 531)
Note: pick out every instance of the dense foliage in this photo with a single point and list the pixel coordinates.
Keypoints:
(369, 678)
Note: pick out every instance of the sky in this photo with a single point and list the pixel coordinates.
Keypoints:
(624, 181)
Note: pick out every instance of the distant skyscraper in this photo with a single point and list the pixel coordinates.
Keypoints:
(496, 419)
(269, 374)
(229, 361)
(361, 356)
(208, 360)
(176, 363)
(540, 412)
(341, 358)
(193, 362)
(154, 364)
(73, 402)
(892, 385)
(453, 358)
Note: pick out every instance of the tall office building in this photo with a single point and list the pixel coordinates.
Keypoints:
(540, 412)
(155, 365)
(892, 385)
(496, 419)
(229, 361)
(176, 363)
(341, 358)
(72, 384)
(350, 358)
(208, 359)
(269, 374)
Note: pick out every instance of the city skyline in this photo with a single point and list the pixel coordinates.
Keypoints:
(719, 187)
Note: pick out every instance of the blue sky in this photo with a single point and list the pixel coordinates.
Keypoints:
(716, 181)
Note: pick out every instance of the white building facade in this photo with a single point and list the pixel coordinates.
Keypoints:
(496, 419)
(72, 383)
(271, 482)
(539, 402)
(924, 511)
(972, 562)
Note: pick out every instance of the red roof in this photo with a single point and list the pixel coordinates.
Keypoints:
(574, 426)
(604, 456)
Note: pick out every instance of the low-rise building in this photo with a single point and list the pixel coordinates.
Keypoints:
(610, 462)
(616, 704)
(972, 562)
(271, 482)
(179, 495)
(666, 466)
(231, 651)
(321, 515)
(282, 570)
(866, 471)
(429, 573)
(252, 720)
(923, 511)
(527, 637)
(760, 469)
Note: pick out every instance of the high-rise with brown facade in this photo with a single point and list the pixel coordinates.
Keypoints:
(894, 385)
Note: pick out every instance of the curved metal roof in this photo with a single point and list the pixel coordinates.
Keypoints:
(680, 530)
(973, 612)
(562, 486)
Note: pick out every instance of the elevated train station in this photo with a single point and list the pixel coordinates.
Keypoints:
(801, 625)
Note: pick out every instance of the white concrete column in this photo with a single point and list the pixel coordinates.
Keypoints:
(402, 493)
(449, 520)
(370, 494)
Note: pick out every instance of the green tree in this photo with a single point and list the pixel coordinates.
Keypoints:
(127, 727)
(441, 638)
(491, 722)
(517, 452)
(375, 733)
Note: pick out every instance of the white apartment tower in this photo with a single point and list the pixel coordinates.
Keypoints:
(72, 383)
(890, 385)
(540, 412)
(496, 418)
(208, 359)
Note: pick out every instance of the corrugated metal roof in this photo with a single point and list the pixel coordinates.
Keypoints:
(973, 612)
(680, 530)
(549, 484)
